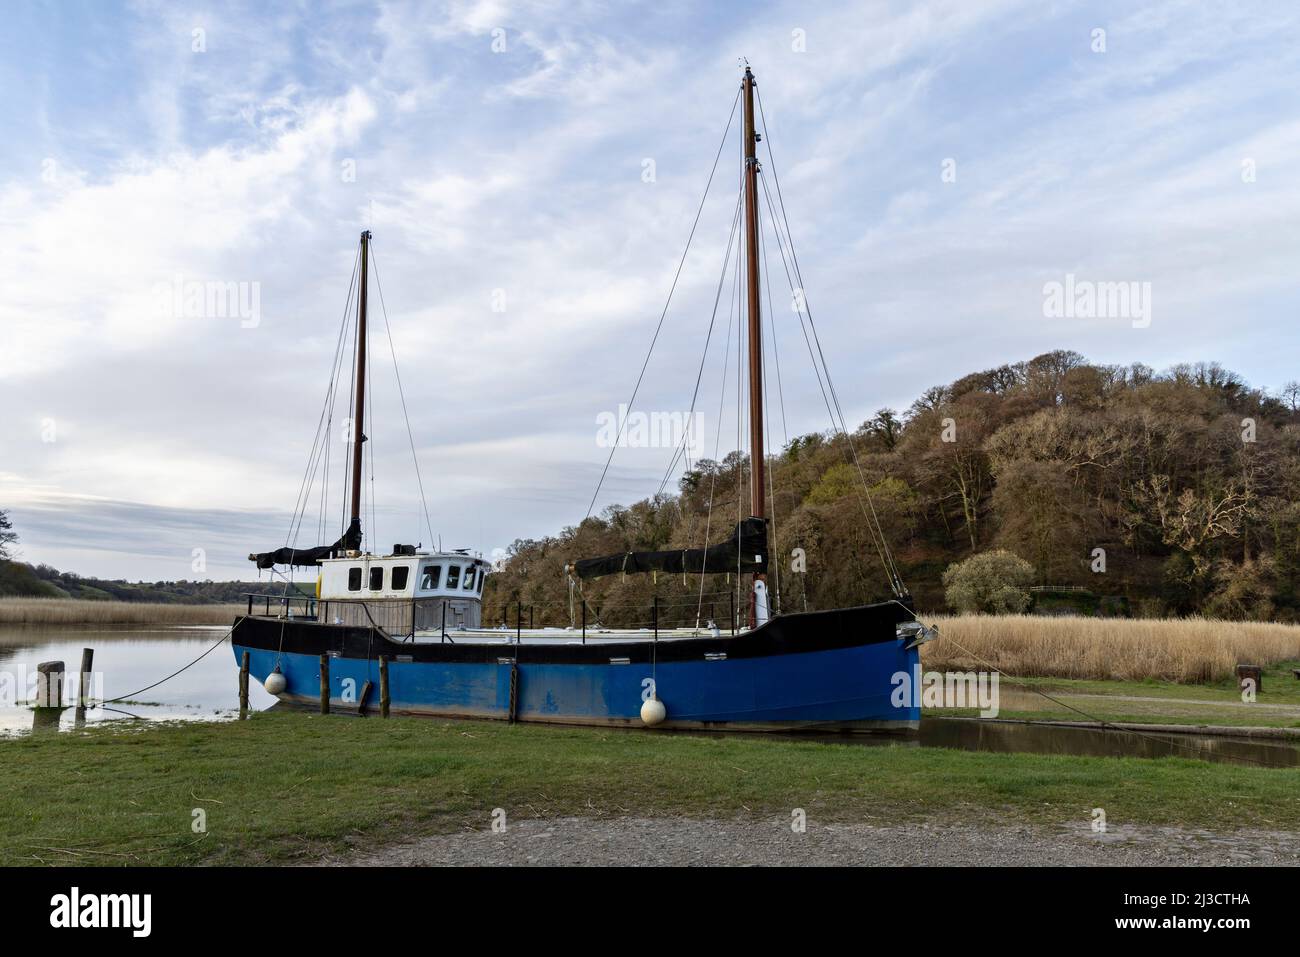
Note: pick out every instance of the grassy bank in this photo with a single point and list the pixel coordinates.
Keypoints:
(290, 786)
(71, 611)
(1188, 651)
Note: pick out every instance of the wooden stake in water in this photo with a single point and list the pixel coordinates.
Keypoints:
(324, 684)
(243, 687)
(83, 688)
(49, 684)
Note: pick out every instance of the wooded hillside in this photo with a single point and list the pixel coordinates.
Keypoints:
(1184, 480)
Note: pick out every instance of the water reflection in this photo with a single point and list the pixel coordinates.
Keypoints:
(967, 734)
(1048, 739)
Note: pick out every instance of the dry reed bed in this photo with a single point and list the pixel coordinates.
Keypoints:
(1189, 651)
(72, 611)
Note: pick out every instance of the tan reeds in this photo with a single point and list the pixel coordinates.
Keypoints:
(72, 611)
(1191, 650)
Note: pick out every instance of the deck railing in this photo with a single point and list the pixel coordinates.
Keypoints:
(402, 618)
(282, 606)
(399, 618)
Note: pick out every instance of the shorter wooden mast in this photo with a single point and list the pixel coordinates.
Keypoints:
(358, 418)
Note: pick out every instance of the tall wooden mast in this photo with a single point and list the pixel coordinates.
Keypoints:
(359, 416)
(757, 461)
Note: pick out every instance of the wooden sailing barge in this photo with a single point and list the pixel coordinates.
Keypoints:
(421, 610)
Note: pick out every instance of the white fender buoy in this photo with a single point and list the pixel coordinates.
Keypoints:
(275, 683)
(653, 712)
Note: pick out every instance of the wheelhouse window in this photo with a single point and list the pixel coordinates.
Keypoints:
(430, 577)
(481, 575)
(469, 579)
(354, 579)
(400, 575)
(377, 578)
(453, 576)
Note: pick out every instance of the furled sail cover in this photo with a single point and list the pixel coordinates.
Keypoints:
(310, 556)
(745, 550)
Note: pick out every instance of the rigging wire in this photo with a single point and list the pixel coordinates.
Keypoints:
(349, 446)
(313, 461)
(717, 298)
(322, 519)
(717, 435)
(741, 329)
(332, 399)
(319, 453)
(771, 321)
(785, 431)
(318, 444)
(838, 424)
(873, 529)
(891, 567)
(371, 533)
(771, 504)
(424, 504)
(659, 327)
(322, 507)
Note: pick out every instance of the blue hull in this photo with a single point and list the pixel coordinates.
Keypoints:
(767, 682)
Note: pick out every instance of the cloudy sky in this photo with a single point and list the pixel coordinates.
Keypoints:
(530, 172)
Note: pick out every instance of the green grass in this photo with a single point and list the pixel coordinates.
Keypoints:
(288, 787)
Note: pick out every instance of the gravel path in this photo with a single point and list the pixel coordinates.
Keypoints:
(669, 841)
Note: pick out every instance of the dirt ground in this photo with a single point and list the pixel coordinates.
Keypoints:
(656, 842)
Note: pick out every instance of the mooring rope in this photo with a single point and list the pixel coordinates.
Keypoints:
(659, 328)
(127, 697)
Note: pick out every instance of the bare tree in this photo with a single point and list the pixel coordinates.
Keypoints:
(7, 536)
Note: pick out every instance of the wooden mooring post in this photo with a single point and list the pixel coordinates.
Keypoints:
(83, 686)
(49, 684)
(384, 699)
(513, 714)
(243, 687)
(324, 684)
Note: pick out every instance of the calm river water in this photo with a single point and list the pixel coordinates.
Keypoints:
(127, 658)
